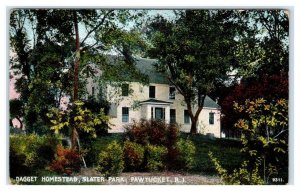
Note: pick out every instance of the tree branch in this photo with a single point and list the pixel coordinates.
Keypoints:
(282, 131)
(96, 27)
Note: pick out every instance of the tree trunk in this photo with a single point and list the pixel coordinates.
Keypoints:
(74, 133)
(77, 58)
(193, 130)
(74, 136)
(194, 118)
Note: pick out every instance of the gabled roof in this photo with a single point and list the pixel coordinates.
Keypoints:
(147, 67)
(208, 102)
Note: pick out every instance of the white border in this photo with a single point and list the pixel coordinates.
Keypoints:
(294, 92)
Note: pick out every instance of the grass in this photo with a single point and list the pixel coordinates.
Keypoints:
(227, 151)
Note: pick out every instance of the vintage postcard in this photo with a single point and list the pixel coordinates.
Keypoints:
(148, 97)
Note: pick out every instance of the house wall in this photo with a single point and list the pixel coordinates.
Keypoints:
(141, 93)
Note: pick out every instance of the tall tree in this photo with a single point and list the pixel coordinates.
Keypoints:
(195, 51)
(50, 61)
(262, 53)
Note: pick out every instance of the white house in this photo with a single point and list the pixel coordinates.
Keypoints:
(158, 100)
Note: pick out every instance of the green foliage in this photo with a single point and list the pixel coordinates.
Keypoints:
(263, 33)
(44, 60)
(133, 155)
(155, 158)
(77, 117)
(195, 56)
(95, 146)
(239, 176)
(186, 156)
(29, 153)
(111, 162)
(265, 128)
(264, 140)
(67, 161)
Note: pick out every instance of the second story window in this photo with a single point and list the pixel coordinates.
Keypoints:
(151, 91)
(172, 93)
(125, 89)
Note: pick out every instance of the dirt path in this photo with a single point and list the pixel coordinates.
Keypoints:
(144, 178)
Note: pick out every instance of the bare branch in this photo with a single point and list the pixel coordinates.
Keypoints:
(280, 133)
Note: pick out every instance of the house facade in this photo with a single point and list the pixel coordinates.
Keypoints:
(132, 101)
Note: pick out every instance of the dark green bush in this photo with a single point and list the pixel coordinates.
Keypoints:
(30, 153)
(111, 161)
(186, 154)
(133, 156)
(155, 158)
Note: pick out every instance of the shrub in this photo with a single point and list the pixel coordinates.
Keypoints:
(111, 161)
(158, 133)
(67, 161)
(240, 176)
(30, 153)
(155, 158)
(186, 154)
(133, 155)
(153, 132)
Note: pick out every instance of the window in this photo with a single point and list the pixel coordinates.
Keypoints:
(211, 118)
(125, 114)
(172, 116)
(125, 89)
(187, 118)
(159, 113)
(172, 93)
(151, 91)
(113, 110)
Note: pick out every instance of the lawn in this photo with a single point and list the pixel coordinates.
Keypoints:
(227, 151)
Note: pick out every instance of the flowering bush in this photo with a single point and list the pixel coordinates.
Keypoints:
(67, 161)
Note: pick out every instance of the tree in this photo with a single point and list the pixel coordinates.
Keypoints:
(50, 62)
(195, 51)
(265, 134)
(269, 87)
(268, 32)
(265, 142)
(262, 54)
